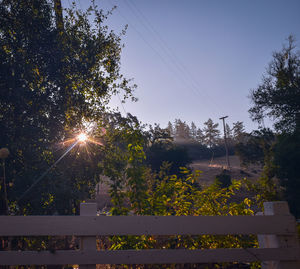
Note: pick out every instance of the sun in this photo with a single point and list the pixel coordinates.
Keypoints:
(82, 137)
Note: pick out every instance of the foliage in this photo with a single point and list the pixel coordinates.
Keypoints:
(238, 131)
(203, 143)
(286, 161)
(161, 148)
(123, 160)
(259, 149)
(135, 189)
(255, 146)
(278, 96)
(54, 77)
(224, 179)
(197, 151)
(176, 155)
(127, 155)
(181, 130)
(211, 133)
(279, 156)
(182, 195)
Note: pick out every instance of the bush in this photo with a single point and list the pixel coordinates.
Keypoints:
(224, 179)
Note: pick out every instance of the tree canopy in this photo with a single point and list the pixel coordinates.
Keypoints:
(56, 74)
(278, 95)
(211, 133)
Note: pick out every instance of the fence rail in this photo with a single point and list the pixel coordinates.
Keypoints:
(276, 231)
(148, 256)
(145, 225)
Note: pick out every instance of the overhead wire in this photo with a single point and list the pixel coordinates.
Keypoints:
(141, 36)
(178, 69)
(182, 69)
(145, 40)
(169, 67)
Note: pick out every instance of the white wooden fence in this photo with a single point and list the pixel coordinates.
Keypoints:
(276, 230)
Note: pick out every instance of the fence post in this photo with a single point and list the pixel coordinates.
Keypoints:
(278, 241)
(88, 243)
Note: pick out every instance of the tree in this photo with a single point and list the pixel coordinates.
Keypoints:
(160, 149)
(182, 130)
(193, 131)
(156, 134)
(211, 133)
(123, 161)
(286, 161)
(170, 129)
(228, 131)
(278, 96)
(200, 136)
(256, 147)
(53, 79)
(238, 131)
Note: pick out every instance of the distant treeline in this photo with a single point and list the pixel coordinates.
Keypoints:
(179, 143)
(202, 143)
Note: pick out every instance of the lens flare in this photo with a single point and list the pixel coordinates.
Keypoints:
(82, 137)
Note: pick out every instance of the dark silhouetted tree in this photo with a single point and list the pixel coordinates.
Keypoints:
(278, 96)
(200, 136)
(193, 131)
(170, 129)
(286, 161)
(238, 131)
(181, 130)
(55, 75)
(211, 133)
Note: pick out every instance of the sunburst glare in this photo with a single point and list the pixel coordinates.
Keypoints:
(82, 137)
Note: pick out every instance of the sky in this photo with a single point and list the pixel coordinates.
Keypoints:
(198, 59)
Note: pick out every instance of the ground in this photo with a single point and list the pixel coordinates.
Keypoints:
(212, 168)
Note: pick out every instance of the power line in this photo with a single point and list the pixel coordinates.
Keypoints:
(167, 50)
(142, 37)
(177, 72)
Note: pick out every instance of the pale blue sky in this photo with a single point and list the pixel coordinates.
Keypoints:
(197, 59)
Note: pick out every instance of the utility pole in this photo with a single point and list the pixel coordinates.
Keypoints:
(225, 140)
